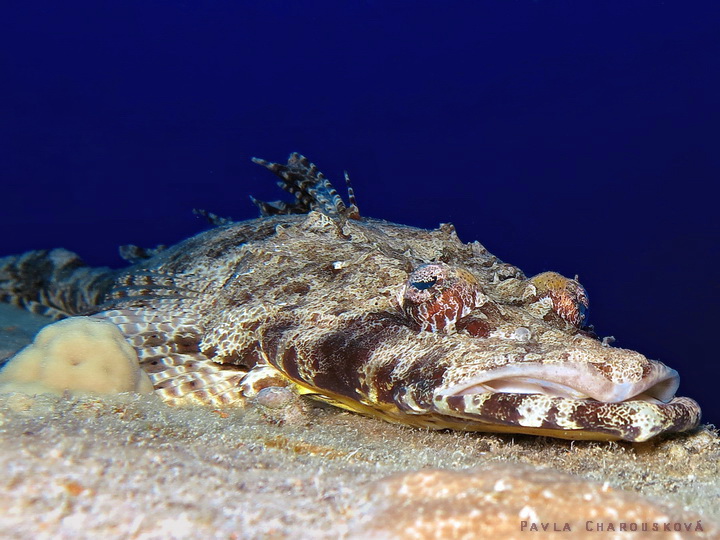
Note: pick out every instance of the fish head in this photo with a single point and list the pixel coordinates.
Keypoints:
(417, 327)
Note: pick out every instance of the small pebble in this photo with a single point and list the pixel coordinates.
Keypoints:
(275, 397)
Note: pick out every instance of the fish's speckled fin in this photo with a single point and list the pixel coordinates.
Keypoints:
(53, 283)
(168, 348)
(148, 285)
(312, 190)
(184, 379)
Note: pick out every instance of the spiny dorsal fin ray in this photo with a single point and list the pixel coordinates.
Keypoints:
(150, 280)
(311, 189)
(147, 288)
(212, 219)
(352, 212)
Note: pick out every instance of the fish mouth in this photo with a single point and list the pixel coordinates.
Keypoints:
(658, 384)
(568, 401)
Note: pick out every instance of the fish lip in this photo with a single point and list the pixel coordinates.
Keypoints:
(570, 380)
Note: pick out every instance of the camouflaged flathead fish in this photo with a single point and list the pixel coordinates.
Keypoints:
(409, 325)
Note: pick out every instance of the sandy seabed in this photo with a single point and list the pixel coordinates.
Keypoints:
(131, 467)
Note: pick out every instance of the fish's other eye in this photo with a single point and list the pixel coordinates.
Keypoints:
(567, 298)
(436, 296)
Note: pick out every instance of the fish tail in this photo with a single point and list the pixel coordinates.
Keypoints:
(53, 283)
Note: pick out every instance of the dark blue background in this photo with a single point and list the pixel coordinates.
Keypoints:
(575, 136)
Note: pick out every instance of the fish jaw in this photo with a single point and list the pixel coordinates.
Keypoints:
(567, 418)
(579, 390)
(572, 400)
(570, 380)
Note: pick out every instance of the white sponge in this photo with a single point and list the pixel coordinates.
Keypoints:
(79, 354)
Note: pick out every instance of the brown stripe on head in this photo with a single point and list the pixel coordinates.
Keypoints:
(338, 358)
(415, 390)
(475, 326)
(274, 334)
(334, 360)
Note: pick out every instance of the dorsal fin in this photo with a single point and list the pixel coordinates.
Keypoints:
(147, 287)
(311, 189)
(212, 219)
(352, 212)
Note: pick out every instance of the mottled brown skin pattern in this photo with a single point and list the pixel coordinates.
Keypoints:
(333, 303)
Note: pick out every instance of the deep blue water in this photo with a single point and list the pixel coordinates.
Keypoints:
(580, 137)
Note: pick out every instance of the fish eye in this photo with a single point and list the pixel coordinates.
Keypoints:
(568, 298)
(424, 285)
(436, 296)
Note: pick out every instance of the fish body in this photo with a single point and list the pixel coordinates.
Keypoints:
(406, 324)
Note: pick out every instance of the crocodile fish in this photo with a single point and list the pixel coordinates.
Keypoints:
(409, 325)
